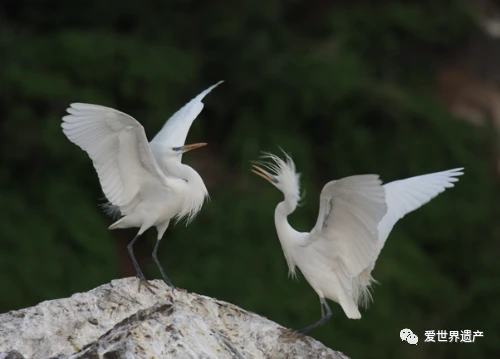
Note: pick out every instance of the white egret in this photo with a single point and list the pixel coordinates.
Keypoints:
(356, 215)
(145, 183)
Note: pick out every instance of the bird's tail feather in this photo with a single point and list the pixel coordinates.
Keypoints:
(361, 288)
(111, 210)
(350, 308)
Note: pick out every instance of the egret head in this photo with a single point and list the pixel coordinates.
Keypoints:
(281, 174)
(182, 149)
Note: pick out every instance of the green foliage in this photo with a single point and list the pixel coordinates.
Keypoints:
(344, 89)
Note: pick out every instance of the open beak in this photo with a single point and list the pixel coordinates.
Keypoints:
(194, 146)
(263, 173)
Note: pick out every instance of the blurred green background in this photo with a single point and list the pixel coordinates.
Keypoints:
(345, 87)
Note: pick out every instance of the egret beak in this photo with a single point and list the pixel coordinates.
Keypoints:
(264, 174)
(194, 146)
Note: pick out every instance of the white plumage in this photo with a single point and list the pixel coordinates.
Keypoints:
(146, 183)
(176, 129)
(120, 153)
(356, 215)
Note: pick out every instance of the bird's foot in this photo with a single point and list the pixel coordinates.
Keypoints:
(300, 334)
(168, 282)
(144, 282)
(291, 336)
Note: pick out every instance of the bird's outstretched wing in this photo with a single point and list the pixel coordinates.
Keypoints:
(407, 195)
(346, 231)
(119, 150)
(175, 130)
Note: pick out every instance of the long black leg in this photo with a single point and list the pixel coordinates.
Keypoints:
(140, 275)
(155, 258)
(130, 248)
(326, 313)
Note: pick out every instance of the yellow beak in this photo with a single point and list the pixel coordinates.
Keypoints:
(194, 146)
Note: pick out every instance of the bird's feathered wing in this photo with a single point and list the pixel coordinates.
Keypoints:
(119, 150)
(345, 235)
(350, 211)
(175, 130)
(407, 195)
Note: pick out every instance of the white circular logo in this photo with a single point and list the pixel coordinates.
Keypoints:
(404, 334)
(407, 335)
(412, 339)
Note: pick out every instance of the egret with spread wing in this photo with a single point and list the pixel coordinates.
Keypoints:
(356, 215)
(145, 183)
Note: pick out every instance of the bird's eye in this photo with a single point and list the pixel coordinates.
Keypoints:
(177, 148)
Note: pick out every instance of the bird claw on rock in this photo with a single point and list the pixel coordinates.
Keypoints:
(144, 282)
(291, 336)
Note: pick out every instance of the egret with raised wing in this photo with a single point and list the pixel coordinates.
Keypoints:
(145, 183)
(356, 215)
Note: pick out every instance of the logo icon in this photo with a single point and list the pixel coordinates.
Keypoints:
(408, 336)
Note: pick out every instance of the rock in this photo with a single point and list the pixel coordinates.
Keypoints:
(13, 354)
(116, 321)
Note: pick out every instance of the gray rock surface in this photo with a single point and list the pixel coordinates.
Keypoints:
(116, 321)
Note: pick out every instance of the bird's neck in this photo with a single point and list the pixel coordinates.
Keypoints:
(288, 236)
(194, 191)
(187, 173)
